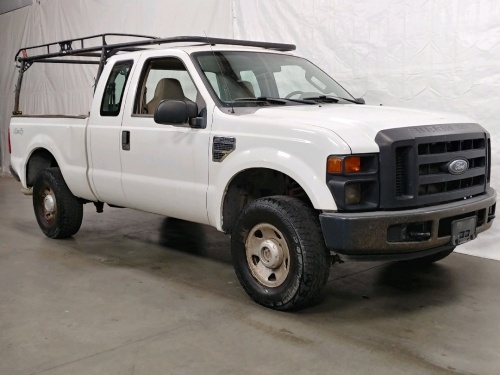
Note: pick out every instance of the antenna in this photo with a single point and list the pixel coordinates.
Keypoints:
(221, 73)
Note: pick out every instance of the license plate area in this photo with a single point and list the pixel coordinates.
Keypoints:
(463, 230)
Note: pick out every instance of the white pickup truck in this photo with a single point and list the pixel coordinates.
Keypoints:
(260, 144)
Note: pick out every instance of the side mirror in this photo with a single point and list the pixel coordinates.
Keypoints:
(175, 111)
(360, 100)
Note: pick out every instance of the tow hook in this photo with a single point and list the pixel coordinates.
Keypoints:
(419, 236)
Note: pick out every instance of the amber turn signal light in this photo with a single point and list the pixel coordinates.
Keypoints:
(352, 164)
(334, 165)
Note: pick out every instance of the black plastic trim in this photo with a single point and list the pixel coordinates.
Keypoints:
(368, 178)
(399, 154)
(366, 233)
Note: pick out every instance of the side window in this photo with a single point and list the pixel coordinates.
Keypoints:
(162, 79)
(115, 87)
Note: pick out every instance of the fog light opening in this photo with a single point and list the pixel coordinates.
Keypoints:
(352, 193)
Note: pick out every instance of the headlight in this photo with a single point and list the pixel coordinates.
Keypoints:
(353, 181)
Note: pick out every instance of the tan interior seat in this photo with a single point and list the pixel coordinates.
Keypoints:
(167, 88)
(249, 87)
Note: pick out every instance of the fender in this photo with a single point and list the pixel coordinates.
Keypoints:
(311, 180)
(71, 160)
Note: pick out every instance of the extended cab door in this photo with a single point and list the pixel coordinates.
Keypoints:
(103, 132)
(164, 167)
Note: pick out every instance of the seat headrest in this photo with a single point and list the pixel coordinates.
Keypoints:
(169, 88)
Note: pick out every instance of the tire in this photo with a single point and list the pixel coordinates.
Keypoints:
(58, 212)
(429, 259)
(279, 254)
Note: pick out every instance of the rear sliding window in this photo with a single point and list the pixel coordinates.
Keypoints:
(115, 87)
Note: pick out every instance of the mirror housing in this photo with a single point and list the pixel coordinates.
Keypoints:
(175, 112)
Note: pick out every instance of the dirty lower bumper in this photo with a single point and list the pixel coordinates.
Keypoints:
(388, 234)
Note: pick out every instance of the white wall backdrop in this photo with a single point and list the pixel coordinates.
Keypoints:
(418, 53)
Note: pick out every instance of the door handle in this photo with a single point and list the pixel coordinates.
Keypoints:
(125, 140)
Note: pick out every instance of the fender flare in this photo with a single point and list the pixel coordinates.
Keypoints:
(313, 182)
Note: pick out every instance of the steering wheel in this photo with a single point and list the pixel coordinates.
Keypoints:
(293, 93)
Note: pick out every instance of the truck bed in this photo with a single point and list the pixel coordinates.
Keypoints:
(64, 136)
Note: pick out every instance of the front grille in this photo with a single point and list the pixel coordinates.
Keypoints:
(401, 165)
(419, 165)
(489, 161)
(450, 146)
(436, 168)
(433, 161)
(443, 187)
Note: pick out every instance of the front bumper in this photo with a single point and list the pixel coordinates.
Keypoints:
(369, 234)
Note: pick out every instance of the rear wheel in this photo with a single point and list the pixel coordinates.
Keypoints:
(279, 254)
(58, 212)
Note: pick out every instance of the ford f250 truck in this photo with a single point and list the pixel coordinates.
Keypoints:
(261, 144)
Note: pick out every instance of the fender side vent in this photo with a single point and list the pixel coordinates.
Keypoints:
(222, 147)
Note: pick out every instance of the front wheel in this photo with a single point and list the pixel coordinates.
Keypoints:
(58, 212)
(279, 254)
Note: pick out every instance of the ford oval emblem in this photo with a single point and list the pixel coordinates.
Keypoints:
(458, 166)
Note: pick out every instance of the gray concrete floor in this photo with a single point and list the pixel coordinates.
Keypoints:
(136, 293)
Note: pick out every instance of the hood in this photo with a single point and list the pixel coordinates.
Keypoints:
(357, 124)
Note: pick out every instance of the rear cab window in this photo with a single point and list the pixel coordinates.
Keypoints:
(115, 87)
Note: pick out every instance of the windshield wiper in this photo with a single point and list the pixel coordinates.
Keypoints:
(334, 99)
(303, 101)
(261, 99)
(274, 100)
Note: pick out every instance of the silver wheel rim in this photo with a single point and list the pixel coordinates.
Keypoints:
(48, 205)
(267, 254)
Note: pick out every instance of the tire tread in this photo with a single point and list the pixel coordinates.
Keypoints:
(69, 207)
(313, 253)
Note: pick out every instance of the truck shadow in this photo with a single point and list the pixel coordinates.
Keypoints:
(376, 286)
(366, 291)
(196, 239)
(180, 250)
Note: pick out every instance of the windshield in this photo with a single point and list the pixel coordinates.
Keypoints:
(241, 78)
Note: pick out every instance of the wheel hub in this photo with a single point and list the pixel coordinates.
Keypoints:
(270, 254)
(49, 204)
(267, 255)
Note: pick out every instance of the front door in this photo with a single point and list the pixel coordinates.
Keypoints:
(164, 167)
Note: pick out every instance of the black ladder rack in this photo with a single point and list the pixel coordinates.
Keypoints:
(62, 52)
